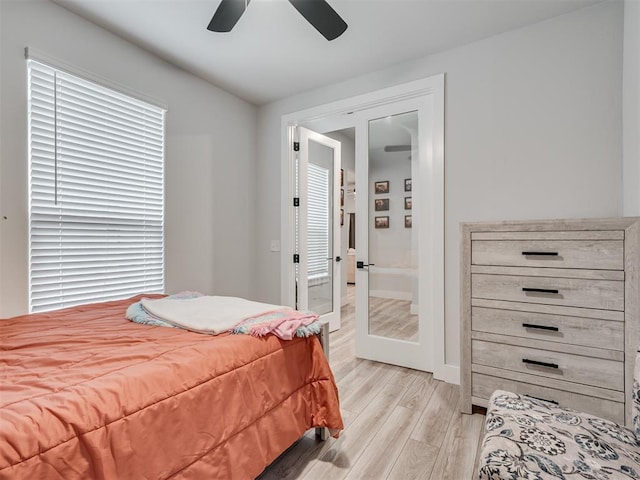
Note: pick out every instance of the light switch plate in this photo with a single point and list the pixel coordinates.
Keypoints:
(275, 245)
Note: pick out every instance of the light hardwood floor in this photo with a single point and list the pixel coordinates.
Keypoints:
(392, 318)
(399, 424)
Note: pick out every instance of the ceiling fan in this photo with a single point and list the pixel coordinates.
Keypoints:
(397, 148)
(317, 12)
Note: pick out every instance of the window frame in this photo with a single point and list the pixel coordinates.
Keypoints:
(142, 223)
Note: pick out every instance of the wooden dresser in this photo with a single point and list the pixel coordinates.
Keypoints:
(551, 309)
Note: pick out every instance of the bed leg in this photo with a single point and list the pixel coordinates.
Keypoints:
(322, 433)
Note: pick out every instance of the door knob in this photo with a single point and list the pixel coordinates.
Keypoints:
(338, 258)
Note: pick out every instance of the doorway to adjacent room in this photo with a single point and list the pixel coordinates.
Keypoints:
(391, 210)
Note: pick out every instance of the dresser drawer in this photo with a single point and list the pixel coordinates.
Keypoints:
(598, 372)
(484, 385)
(588, 332)
(574, 292)
(589, 254)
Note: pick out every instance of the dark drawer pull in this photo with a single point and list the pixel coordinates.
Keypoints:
(540, 327)
(543, 399)
(540, 290)
(542, 254)
(539, 363)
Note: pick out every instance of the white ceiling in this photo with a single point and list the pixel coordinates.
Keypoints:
(273, 52)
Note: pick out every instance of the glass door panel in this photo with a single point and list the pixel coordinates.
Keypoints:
(393, 293)
(320, 248)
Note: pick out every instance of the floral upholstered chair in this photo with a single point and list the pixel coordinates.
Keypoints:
(527, 438)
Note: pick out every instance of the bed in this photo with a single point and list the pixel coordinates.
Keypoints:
(85, 393)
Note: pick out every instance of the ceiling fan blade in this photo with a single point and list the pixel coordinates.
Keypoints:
(227, 15)
(320, 14)
(397, 148)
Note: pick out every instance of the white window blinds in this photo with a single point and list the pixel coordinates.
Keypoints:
(96, 192)
(319, 221)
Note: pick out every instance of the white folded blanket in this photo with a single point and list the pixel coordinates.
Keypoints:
(206, 314)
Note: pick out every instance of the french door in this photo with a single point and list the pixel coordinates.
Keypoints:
(413, 335)
(397, 223)
(318, 226)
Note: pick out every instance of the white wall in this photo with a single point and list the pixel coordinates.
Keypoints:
(2, 217)
(209, 152)
(533, 130)
(389, 247)
(631, 107)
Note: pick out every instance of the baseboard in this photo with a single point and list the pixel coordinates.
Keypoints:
(448, 373)
(390, 294)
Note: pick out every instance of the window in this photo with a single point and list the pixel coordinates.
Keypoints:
(96, 159)
(319, 219)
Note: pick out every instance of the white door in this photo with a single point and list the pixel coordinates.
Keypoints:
(397, 223)
(318, 232)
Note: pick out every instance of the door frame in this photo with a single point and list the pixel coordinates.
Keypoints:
(337, 115)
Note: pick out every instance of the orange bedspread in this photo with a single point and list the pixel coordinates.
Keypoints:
(88, 394)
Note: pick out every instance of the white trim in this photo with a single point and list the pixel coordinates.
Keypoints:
(287, 215)
(448, 373)
(437, 196)
(31, 53)
(338, 113)
(365, 101)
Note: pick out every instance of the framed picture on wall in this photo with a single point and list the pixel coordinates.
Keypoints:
(407, 221)
(382, 222)
(341, 216)
(342, 197)
(382, 187)
(381, 204)
(407, 184)
(407, 203)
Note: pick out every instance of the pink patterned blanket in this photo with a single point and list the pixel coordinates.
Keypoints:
(284, 323)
